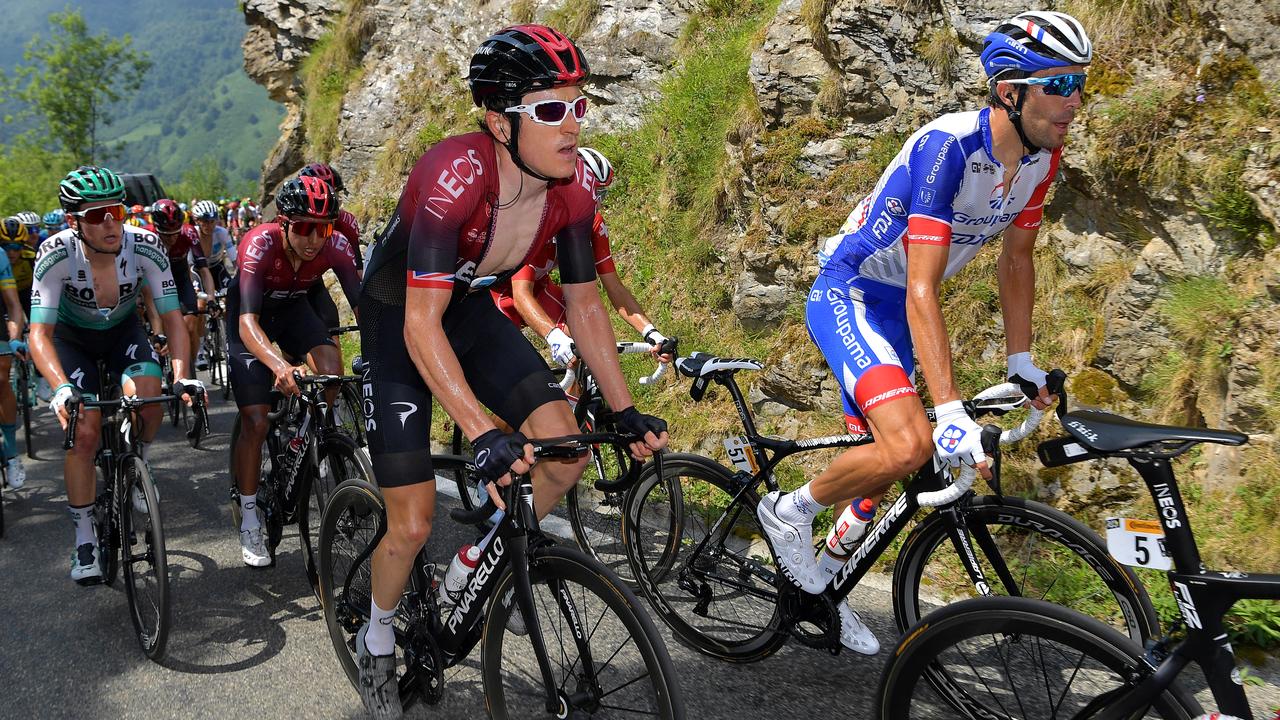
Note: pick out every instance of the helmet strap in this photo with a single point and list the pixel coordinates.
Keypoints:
(85, 241)
(513, 148)
(1015, 117)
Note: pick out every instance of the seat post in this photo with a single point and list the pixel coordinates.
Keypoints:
(1181, 543)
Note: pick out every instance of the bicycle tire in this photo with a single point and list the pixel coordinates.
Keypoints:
(348, 413)
(24, 403)
(354, 517)
(106, 524)
(681, 580)
(188, 424)
(344, 462)
(551, 570)
(151, 619)
(596, 516)
(1062, 561)
(3, 486)
(934, 645)
(453, 470)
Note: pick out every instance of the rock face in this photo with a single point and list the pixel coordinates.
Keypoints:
(404, 56)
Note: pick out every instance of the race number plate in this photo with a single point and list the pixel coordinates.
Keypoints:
(741, 455)
(1137, 543)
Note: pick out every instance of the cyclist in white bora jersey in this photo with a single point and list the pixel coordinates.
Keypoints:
(957, 183)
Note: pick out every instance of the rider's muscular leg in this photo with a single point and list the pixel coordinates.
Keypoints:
(8, 401)
(326, 360)
(904, 442)
(195, 329)
(78, 464)
(248, 450)
(410, 511)
(552, 478)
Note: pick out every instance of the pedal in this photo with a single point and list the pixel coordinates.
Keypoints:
(811, 619)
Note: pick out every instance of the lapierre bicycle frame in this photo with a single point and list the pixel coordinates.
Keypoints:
(893, 520)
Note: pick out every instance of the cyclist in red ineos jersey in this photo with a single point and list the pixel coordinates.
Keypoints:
(319, 297)
(267, 303)
(475, 209)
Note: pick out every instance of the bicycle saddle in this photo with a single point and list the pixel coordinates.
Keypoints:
(703, 365)
(1105, 432)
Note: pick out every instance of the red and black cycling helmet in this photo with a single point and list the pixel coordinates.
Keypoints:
(522, 59)
(325, 172)
(167, 216)
(307, 198)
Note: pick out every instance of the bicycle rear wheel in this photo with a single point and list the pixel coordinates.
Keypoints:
(702, 560)
(608, 660)
(142, 552)
(340, 460)
(354, 518)
(596, 516)
(998, 657)
(1025, 549)
(455, 473)
(348, 413)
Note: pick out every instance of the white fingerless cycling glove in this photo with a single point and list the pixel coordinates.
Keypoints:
(957, 438)
(652, 336)
(561, 346)
(61, 396)
(1020, 365)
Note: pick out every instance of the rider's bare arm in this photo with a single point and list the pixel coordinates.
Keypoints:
(624, 302)
(529, 307)
(925, 265)
(1017, 273)
(593, 335)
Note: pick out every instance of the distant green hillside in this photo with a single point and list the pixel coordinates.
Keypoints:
(195, 101)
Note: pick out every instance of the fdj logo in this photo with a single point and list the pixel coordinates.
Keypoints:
(951, 438)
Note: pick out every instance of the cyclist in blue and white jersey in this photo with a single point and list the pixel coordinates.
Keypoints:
(957, 183)
(84, 292)
(215, 242)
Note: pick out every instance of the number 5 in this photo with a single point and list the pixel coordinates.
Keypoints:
(1140, 546)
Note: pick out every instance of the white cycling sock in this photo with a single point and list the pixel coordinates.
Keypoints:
(249, 512)
(381, 637)
(799, 507)
(83, 519)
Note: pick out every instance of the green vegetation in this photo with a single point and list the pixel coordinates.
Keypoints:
(332, 66)
(940, 48)
(70, 79)
(574, 17)
(179, 114)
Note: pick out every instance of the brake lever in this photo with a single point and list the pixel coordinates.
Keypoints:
(990, 439)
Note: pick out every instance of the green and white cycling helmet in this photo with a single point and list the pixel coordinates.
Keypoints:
(89, 184)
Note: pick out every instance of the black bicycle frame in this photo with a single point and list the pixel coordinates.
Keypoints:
(893, 520)
(1203, 597)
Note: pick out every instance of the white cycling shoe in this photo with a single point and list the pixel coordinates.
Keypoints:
(854, 634)
(792, 545)
(253, 550)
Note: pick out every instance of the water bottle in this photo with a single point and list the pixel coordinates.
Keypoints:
(455, 578)
(845, 533)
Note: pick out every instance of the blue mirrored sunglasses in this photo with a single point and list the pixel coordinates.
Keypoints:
(1060, 85)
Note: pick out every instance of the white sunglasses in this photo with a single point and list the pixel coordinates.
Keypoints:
(553, 112)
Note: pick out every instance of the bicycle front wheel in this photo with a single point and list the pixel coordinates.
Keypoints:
(607, 660)
(340, 460)
(595, 515)
(142, 555)
(348, 413)
(998, 657)
(1025, 549)
(354, 519)
(702, 560)
(24, 402)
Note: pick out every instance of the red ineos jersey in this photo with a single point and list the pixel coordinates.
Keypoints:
(267, 275)
(186, 240)
(444, 223)
(347, 225)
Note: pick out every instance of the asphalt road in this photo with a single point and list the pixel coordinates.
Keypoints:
(252, 642)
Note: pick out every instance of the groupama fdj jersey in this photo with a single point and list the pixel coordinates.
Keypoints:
(62, 288)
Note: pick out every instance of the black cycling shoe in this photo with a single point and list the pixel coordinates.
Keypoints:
(378, 689)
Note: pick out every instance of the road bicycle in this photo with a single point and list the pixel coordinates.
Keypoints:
(126, 514)
(593, 507)
(585, 650)
(702, 560)
(1015, 657)
(304, 457)
(23, 377)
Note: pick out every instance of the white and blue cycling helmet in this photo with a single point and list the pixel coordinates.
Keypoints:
(1034, 41)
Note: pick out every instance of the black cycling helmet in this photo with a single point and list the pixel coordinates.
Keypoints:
(325, 172)
(167, 216)
(307, 198)
(521, 59)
